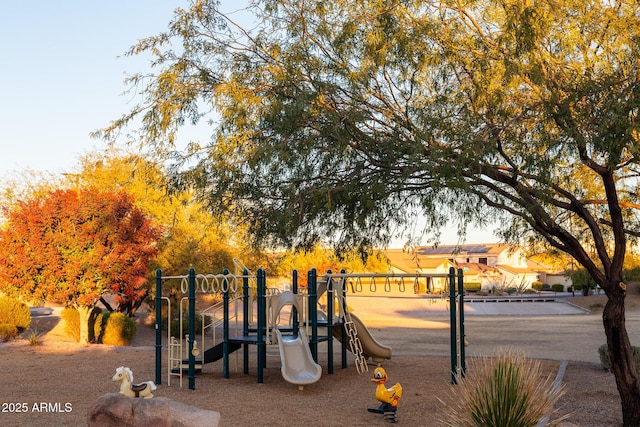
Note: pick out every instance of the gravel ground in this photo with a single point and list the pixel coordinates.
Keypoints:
(66, 377)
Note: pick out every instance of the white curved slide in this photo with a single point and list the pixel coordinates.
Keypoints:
(298, 366)
(370, 346)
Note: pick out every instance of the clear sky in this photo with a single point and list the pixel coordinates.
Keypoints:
(62, 73)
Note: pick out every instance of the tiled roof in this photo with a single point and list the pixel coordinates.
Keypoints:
(475, 268)
(516, 270)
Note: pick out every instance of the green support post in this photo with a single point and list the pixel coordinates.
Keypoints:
(313, 312)
(294, 289)
(262, 320)
(461, 334)
(225, 329)
(453, 322)
(330, 310)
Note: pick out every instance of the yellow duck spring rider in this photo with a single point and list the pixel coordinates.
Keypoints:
(389, 397)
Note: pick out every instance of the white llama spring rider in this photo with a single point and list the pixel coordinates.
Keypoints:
(128, 388)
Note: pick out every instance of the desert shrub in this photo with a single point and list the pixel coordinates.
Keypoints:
(557, 287)
(119, 329)
(34, 337)
(8, 331)
(508, 390)
(496, 289)
(71, 318)
(605, 360)
(14, 312)
(537, 286)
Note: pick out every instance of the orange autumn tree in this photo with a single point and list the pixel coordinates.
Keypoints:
(74, 246)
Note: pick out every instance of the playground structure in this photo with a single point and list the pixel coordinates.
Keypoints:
(250, 313)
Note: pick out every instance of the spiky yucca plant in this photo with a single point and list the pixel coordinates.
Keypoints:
(508, 390)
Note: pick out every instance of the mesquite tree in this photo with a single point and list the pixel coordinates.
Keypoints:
(342, 119)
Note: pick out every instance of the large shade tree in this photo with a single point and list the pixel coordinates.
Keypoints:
(73, 247)
(342, 119)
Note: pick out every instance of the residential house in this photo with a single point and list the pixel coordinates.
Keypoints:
(485, 266)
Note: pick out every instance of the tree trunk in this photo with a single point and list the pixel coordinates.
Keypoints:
(138, 303)
(106, 304)
(621, 354)
(84, 312)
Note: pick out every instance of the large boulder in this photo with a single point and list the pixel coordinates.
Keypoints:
(115, 409)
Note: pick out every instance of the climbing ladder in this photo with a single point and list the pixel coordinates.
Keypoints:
(355, 346)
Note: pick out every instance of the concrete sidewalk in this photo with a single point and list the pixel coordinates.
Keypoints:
(530, 307)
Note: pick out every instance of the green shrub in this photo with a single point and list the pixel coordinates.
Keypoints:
(15, 313)
(8, 331)
(557, 287)
(537, 286)
(605, 360)
(582, 281)
(119, 329)
(71, 318)
(508, 390)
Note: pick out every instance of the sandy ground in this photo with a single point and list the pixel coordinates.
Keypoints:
(54, 383)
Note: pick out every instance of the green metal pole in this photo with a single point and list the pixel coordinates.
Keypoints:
(313, 312)
(294, 289)
(262, 324)
(192, 328)
(452, 321)
(463, 363)
(158, 326)
(330, 310)
(225, 325)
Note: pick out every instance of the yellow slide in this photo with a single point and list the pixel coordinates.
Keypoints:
(370, 346)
